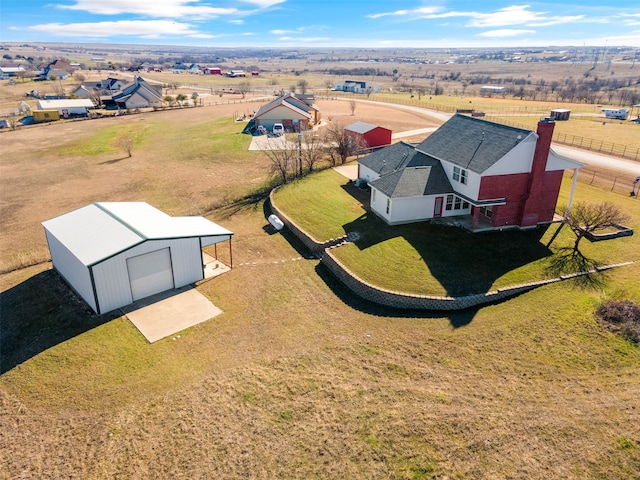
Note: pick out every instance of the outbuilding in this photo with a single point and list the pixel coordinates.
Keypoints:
(368, 135)
(114, 253)
(68, 108)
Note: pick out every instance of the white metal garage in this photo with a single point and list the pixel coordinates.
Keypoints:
(115, 253)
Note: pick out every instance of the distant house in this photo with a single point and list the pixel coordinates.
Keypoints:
(236, 73)
(368, 135)
(255, 73)
(113, 84)
(139, 94)
(354, 86)
(489, 90)
(293, 112)
(211, 71)
(115, 253)
(193, 68)
(493, 175)
(83, 92)
(67, 108)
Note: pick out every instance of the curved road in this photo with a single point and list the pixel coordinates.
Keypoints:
(584, 156)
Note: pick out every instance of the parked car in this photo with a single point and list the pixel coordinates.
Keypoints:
(278, 129)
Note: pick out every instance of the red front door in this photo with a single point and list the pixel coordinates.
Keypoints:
(437, 207)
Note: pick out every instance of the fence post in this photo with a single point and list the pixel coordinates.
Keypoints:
(614, 183)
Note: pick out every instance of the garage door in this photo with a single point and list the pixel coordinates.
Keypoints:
(150, 273)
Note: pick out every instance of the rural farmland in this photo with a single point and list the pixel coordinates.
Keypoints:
(297, 377)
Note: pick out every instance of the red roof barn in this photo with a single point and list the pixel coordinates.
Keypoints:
(370, 136)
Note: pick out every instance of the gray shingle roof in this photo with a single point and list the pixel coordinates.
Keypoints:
(389, 159)
(472, 143)
(423, 176)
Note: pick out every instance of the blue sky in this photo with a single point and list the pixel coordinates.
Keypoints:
(328, 23)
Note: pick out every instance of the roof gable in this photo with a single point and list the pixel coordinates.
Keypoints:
(472, 143)
(360, 127)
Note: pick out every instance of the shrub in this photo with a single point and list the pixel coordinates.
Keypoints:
(621, 316)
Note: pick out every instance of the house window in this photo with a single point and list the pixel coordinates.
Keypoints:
(486, 211)
(455, 203)
(460, 175)
(373, 196)
(388, 205)
(449, 204)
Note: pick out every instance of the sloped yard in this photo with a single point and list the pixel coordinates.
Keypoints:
(428, 259)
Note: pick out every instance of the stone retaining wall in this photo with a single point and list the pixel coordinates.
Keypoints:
(403, 300)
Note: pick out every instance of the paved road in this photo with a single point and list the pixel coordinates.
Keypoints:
(580, 155)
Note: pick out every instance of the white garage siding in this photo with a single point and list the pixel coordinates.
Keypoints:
(71, 269)
(111, 277)
(150, 273)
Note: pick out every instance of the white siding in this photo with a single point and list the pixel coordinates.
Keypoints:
(72, 269)
(470, 189)
(518, 160)
(112, 278)
(368, 174)
(412, 209)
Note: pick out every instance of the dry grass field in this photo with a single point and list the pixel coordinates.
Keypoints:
(297, 378)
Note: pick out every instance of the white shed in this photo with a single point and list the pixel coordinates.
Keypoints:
(66, 108)
(115, 253)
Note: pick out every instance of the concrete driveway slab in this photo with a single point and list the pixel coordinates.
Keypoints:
(167, 313)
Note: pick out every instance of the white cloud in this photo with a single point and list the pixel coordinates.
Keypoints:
(505, 32)
(163, 8)
(513, 15)
(142, 28)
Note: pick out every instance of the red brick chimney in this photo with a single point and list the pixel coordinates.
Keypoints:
(533, 209)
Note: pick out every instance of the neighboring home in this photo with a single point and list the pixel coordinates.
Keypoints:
(68, 108)
(112, 84)
(211, 71)
(58, 68)
(236, 73)
(367, 135)
(255, 73)
(356, 87)
(293, 111)
(139, 94)
(194, 68)
(115, 253)
(83, 92)
(489, 90)
(494, 176)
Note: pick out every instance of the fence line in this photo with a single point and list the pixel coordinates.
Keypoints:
(601, 146)
(616, 183)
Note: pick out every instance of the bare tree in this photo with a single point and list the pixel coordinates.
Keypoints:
(302, 85)
(194, 98)
(244, 88)
(352, 106)
(283, 155)
(585, 218)
(79, 77)
(126, 144)
(338, 145)
(313, 149)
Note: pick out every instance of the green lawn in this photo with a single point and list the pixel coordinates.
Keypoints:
(430, 259)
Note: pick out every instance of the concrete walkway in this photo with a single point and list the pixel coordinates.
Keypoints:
(168, 313)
